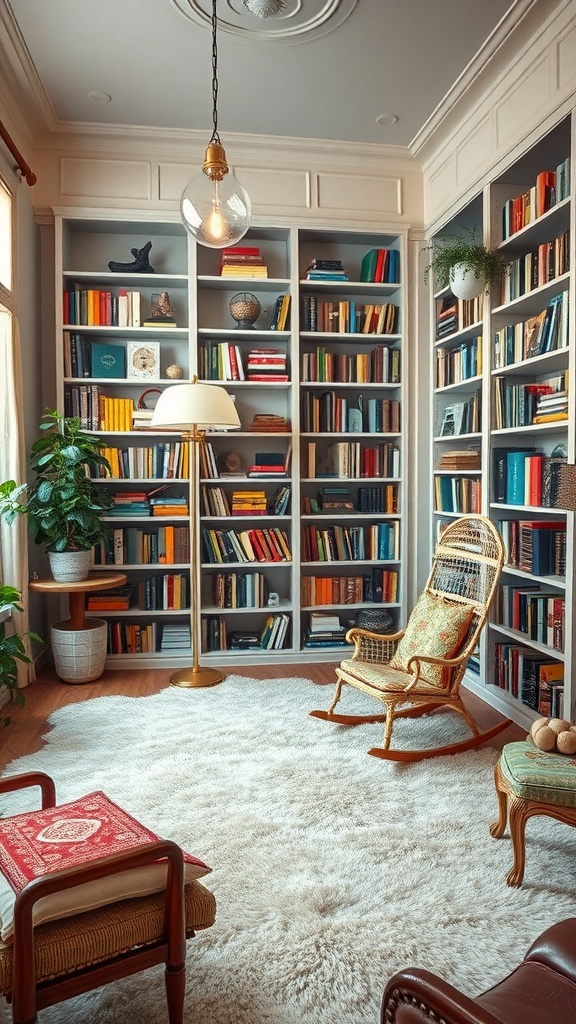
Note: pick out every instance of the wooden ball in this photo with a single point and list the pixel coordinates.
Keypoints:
(544, 737)
(558, 725)
(566, 742)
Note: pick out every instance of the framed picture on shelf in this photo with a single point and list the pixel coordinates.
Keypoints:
(451, 420)
(143, 360)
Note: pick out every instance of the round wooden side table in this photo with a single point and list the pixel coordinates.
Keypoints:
(78, 643)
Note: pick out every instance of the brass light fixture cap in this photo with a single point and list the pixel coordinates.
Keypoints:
(215, 164)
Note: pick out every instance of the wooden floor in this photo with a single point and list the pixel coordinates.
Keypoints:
(28, 724)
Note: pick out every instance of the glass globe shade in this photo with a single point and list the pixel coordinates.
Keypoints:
(216, 213)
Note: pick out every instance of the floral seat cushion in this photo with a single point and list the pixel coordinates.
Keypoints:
(539, 776)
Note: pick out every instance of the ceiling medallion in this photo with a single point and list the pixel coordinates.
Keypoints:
(264, 8)
(290, 24)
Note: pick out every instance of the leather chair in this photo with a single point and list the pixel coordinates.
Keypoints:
(542, 990)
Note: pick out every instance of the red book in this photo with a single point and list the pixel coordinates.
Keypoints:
(258, 549)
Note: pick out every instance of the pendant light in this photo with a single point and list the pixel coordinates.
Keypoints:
(215, 208)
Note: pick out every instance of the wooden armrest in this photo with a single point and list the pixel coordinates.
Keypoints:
(414, 995)
(357, 633)
(10, 783)
(24, 960)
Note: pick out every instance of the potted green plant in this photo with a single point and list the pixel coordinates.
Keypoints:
(12, 646)
(63, 504)
(464, 264)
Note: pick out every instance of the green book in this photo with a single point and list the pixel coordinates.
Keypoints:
(368, 265)
(108, 360)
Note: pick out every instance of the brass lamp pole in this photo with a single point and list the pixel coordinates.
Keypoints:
(192, 409)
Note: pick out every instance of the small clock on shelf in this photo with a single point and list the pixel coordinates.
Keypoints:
(143, 360)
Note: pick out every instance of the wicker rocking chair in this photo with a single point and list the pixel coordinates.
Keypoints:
(420, 669)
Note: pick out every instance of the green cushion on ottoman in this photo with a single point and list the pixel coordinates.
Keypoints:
(539, 776)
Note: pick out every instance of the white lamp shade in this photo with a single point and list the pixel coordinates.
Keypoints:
(205, 406)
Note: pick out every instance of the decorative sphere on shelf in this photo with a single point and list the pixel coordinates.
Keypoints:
(245, 309)
(174, 372)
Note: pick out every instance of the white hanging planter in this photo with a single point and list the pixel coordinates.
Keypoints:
(464, 283)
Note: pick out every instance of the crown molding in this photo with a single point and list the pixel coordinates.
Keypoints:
(509, 37)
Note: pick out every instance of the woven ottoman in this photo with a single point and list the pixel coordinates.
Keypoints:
(530, 781)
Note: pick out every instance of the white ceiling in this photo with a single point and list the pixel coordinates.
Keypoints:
(324, 69)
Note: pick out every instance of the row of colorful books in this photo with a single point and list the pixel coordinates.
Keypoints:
(377, 541)
(520, 405)
(533, 678)
(551, 187)
(163, 460)
(547, 331)
(458, 364)
(271, 636)
(457, 494)
(536, 268)
(525, 476)
(534, 611)
(537, 546)
(331, 412)
(351, 460)
(379, 366)
(223, 360)
(254, 545)
(215, 502)
(167, 545)
(239, 590)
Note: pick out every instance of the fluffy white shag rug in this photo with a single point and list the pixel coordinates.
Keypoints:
(331, 869)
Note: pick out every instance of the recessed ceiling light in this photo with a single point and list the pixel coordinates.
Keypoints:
(99, 97)
(386, 119)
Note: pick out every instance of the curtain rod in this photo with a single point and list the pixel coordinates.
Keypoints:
(21, 164)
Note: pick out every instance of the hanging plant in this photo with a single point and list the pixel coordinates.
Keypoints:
(465, 252)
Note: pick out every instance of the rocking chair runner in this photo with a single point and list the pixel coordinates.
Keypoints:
(420, 669)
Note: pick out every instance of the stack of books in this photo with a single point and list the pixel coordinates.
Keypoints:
(176, 637)
(244, 640)
(447, 317)
(325, 630)
(131, 503)
(267, 464)
(467, 459)
(551, 407)
(269, 423)
(325, 270)
(266, 364)
(113, 600)
(172, 506)
(335, 498)
(249, 503)
(243, 261)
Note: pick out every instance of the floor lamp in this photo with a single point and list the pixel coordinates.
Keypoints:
(192, 409)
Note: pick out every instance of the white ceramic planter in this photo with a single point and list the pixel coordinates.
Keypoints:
(464, 283)
(69, 566)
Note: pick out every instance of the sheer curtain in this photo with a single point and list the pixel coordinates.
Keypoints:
(14, 538)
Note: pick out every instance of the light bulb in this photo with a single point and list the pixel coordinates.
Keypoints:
(215, 212)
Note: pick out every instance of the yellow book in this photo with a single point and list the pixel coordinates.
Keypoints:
(169, 545)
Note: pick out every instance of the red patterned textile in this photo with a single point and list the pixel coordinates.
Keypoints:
(37, 842)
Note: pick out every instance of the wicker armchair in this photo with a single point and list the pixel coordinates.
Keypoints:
(46, 963)
(420, 669)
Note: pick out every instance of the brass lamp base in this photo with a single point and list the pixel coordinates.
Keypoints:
(196, 676)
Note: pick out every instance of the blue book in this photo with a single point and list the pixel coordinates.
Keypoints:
(516, 476)
(108, 360)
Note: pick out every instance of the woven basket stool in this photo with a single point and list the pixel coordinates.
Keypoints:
(530, 781)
